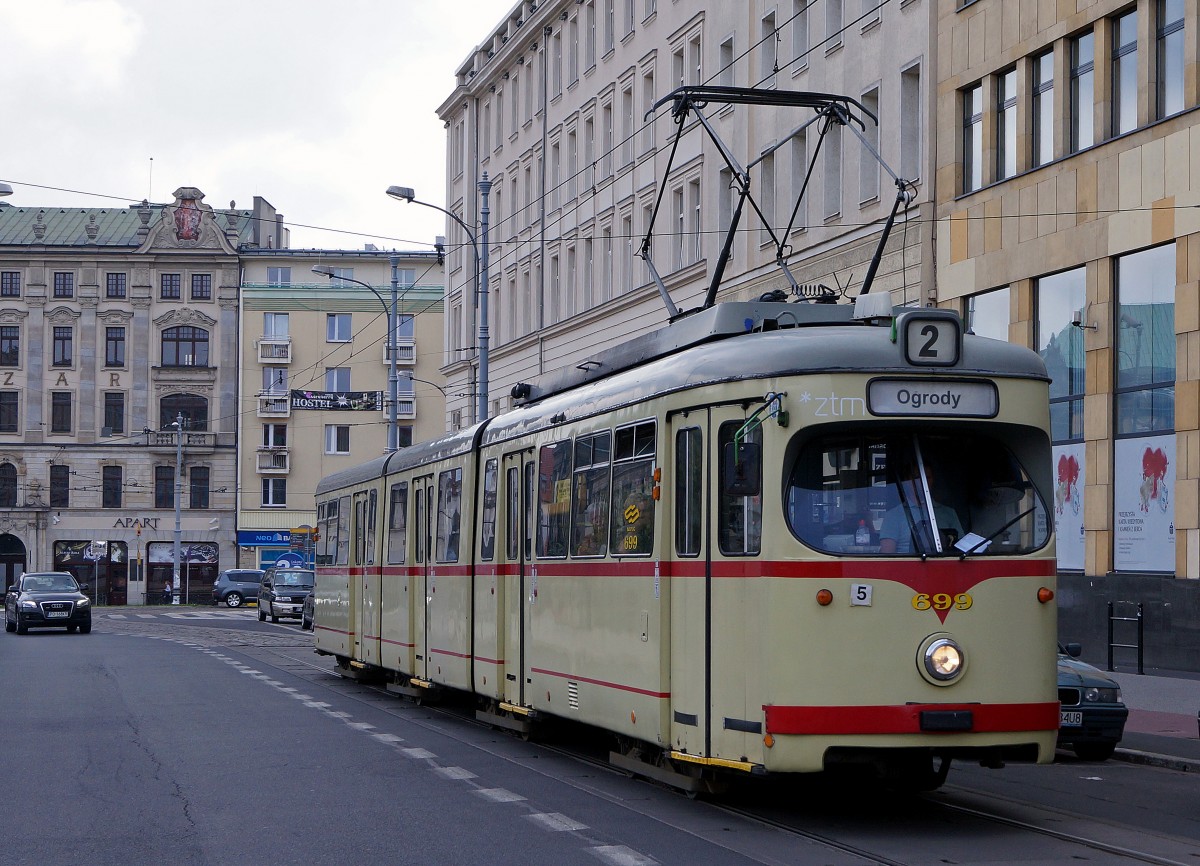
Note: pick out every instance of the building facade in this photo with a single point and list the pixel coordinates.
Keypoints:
(1067, 169)
(114, 324)
(315, 372)
(553, 107)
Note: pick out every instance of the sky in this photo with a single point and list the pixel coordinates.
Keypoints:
(316, 105)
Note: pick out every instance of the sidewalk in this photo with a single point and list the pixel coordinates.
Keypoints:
(1162, 726)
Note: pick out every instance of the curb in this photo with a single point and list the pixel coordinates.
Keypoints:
(1150, 759)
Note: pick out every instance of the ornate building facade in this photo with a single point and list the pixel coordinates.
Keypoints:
(115, 323)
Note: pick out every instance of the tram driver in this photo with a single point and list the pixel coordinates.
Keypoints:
(909, 516)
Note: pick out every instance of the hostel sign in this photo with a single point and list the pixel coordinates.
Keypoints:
(342, 401)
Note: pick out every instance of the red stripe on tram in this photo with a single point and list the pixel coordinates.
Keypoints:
(906, 719)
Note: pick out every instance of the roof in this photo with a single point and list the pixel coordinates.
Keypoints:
(114, 226)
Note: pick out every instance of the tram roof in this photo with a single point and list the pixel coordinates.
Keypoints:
(746, 341)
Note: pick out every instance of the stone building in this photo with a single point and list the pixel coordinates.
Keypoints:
(315, 379)
(552, 105)
(1068, 174)
(114, 323)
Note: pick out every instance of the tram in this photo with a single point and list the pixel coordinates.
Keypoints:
(772, 537)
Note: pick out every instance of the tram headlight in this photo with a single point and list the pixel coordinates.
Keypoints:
(944, 660)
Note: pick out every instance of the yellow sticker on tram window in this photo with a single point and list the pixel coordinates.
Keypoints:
(942, 601)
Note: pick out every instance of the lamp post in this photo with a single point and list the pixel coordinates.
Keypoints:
(393, 437)
(5, 189)
(405, 193)
(178, 425)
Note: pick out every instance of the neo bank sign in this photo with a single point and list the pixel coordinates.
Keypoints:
(962, 399)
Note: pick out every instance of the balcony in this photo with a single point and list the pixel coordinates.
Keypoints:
(274, 406)
(406, 407)
(273, 460)
(406, 353)
(275, 350)
(194, 441)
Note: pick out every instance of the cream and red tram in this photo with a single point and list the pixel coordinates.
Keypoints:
(771, 538)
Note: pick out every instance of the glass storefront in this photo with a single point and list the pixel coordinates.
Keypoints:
(102, 565)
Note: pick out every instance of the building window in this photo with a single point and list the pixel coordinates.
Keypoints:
(1006, 126)
(185, 346)
(198, 478)
(766, 189)
(9, 412)
(64, 353)
(833, 23)
(404, 436)
(114, 347)
(8, 485)
(337, 438)
(1124, 73)
(799, 193)
(275, 380)
(833, 172)
(337, 327)
(169, 287)
(868, 165)
(911, 113)
(10, 345)
(768, 46)
(1082, 91)
(274, 436)
(337, 378)
(164, 486)
(988, 314)
(114, 411)
(192, 407)
(111, 487)
(10, 284)
(1170, 57)
(275, 325)
(972, 138)
(800, 32)
(279, 276)
(60, 485)
(274, 492)
(114, 285)
(64, 285)
(1061, 346)
(201, 287)
(60, 411)
(1146, 341)
(1043, 108)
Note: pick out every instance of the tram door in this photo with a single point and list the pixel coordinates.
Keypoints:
(520, 576)
(715, 524)
(423, 515)
(363, 571)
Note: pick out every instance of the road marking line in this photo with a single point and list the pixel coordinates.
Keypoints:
(619, 855)
(418, 754)
(556, 821)
(499, 795)
(454, 772)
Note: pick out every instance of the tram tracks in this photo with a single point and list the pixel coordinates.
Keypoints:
(900, 831)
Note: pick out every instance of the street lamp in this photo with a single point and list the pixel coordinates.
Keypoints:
(406, 194)
(5, 189)
(178, 425)
(393, 438)
(410, 377)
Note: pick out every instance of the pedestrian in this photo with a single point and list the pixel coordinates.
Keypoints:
(168, 590)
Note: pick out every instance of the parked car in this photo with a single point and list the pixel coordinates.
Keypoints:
(47, 599)
(1092, 719)
(236, 586)
(282, 592)
(308, 613)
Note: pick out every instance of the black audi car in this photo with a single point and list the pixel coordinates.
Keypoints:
(46, 599)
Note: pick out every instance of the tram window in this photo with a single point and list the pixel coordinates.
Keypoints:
(863, 495)
(449, 516)
(327, 542)
(343, 534)
(487, 529)
(398, 524)
(554, 499)
(632, 491)
(590, 483)
(529, 514)
(420, 517)
(512, 515)
(319, 547)
(371, 508)
(739, 516)
(689, 490)
(360, 528)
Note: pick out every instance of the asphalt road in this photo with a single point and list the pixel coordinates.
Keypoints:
(201, 736)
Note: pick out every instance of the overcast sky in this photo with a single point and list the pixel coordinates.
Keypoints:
(316, 105)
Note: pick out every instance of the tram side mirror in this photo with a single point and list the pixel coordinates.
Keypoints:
(743, 469)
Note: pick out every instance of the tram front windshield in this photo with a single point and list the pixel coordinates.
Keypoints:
(914, 494)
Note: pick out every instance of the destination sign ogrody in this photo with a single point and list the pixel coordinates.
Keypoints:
(925, 397)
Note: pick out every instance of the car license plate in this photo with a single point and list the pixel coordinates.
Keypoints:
(1070, 719)
(297, 608)
(55, 613)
